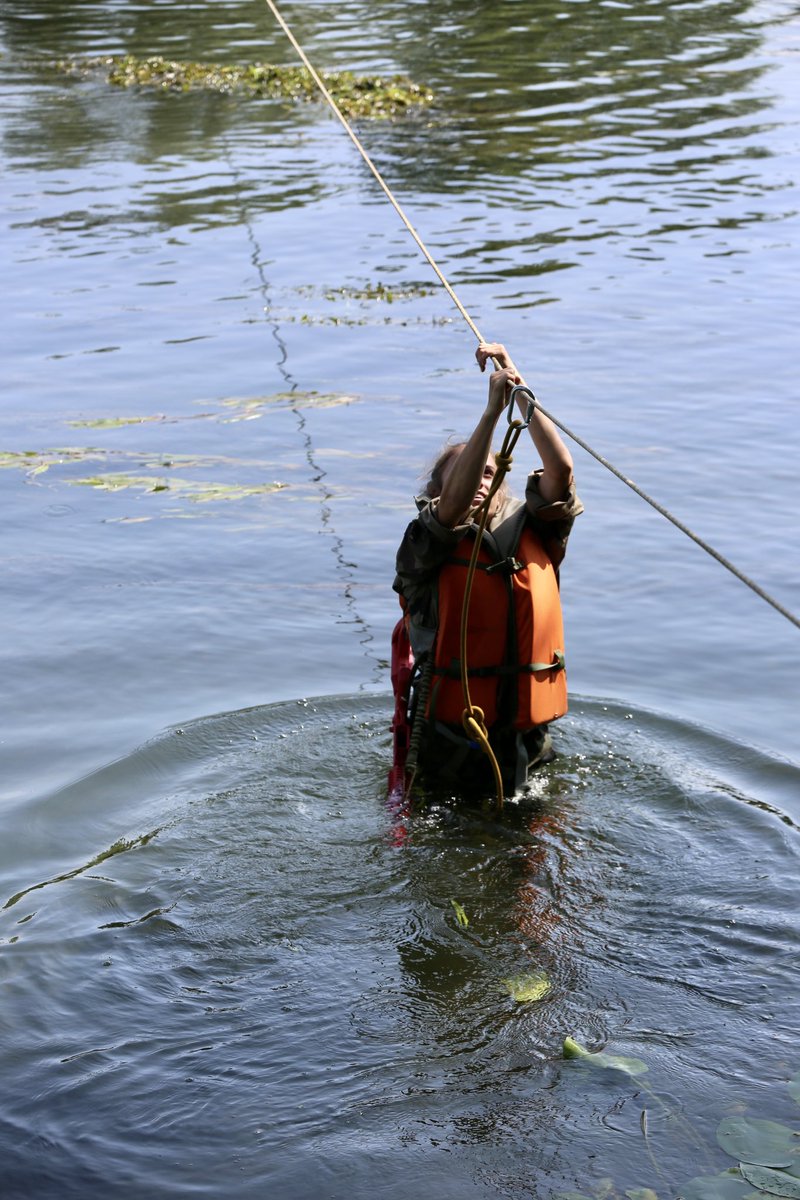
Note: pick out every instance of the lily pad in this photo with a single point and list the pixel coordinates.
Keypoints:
(762, 1143)
(777, 1183)
(527, 988)
(727, 1186)
(617, 1062)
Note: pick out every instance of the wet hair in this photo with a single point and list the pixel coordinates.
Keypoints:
(436, 474)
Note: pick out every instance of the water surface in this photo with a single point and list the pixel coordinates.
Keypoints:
(214, 421)
(259, 982)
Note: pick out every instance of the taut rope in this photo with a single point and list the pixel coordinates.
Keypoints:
(473, 718)
(720, 558)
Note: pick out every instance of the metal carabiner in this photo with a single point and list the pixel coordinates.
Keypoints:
(517, 388)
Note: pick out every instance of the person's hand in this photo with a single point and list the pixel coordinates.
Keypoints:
(494, 350)
(500, 384)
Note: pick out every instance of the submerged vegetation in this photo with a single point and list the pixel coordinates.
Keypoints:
(526, 989)
(356, 95)
(767, 1153)
(616, 1062)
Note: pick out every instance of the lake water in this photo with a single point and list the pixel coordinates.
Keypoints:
(226, 968)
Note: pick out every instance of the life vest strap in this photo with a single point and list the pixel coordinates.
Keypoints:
(454, 670)
(505, 566)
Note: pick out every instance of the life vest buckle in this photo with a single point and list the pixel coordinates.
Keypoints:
(507, 566)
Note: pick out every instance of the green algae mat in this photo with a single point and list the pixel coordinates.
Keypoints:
(356, 95)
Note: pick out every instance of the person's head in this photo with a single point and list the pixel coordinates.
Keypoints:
(444, 464)
(438, 471)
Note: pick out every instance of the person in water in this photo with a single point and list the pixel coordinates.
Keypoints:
(515, 645)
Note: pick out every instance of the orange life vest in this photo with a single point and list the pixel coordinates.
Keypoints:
(515, 637)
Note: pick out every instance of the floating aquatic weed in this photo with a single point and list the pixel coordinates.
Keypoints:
(357, 322)
(188, 461)
(461, 915)
(114, 422)
(29, 460)
(379, 291)
(230, 491)
(356, 95)
(115, 481)
(36, 462)
(121, 846)
(188, 489)
(526, 989)
(618, 1062)
(248, 407)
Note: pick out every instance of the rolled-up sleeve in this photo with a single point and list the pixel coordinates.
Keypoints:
(425, 546)
(553, 520)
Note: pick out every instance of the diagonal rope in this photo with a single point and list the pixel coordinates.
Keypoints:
(473, 718)
(384, 185)
(715, 554)
(709, 549)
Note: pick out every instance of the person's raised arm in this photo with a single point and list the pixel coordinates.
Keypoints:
(468, 475)
(556, 458)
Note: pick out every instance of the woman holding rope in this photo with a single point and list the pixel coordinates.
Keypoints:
(514, 634)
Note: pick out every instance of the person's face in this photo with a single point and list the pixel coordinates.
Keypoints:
(489, 472)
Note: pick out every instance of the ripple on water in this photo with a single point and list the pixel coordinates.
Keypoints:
(262, 985)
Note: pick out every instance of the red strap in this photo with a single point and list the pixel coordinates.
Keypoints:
(402, 666)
